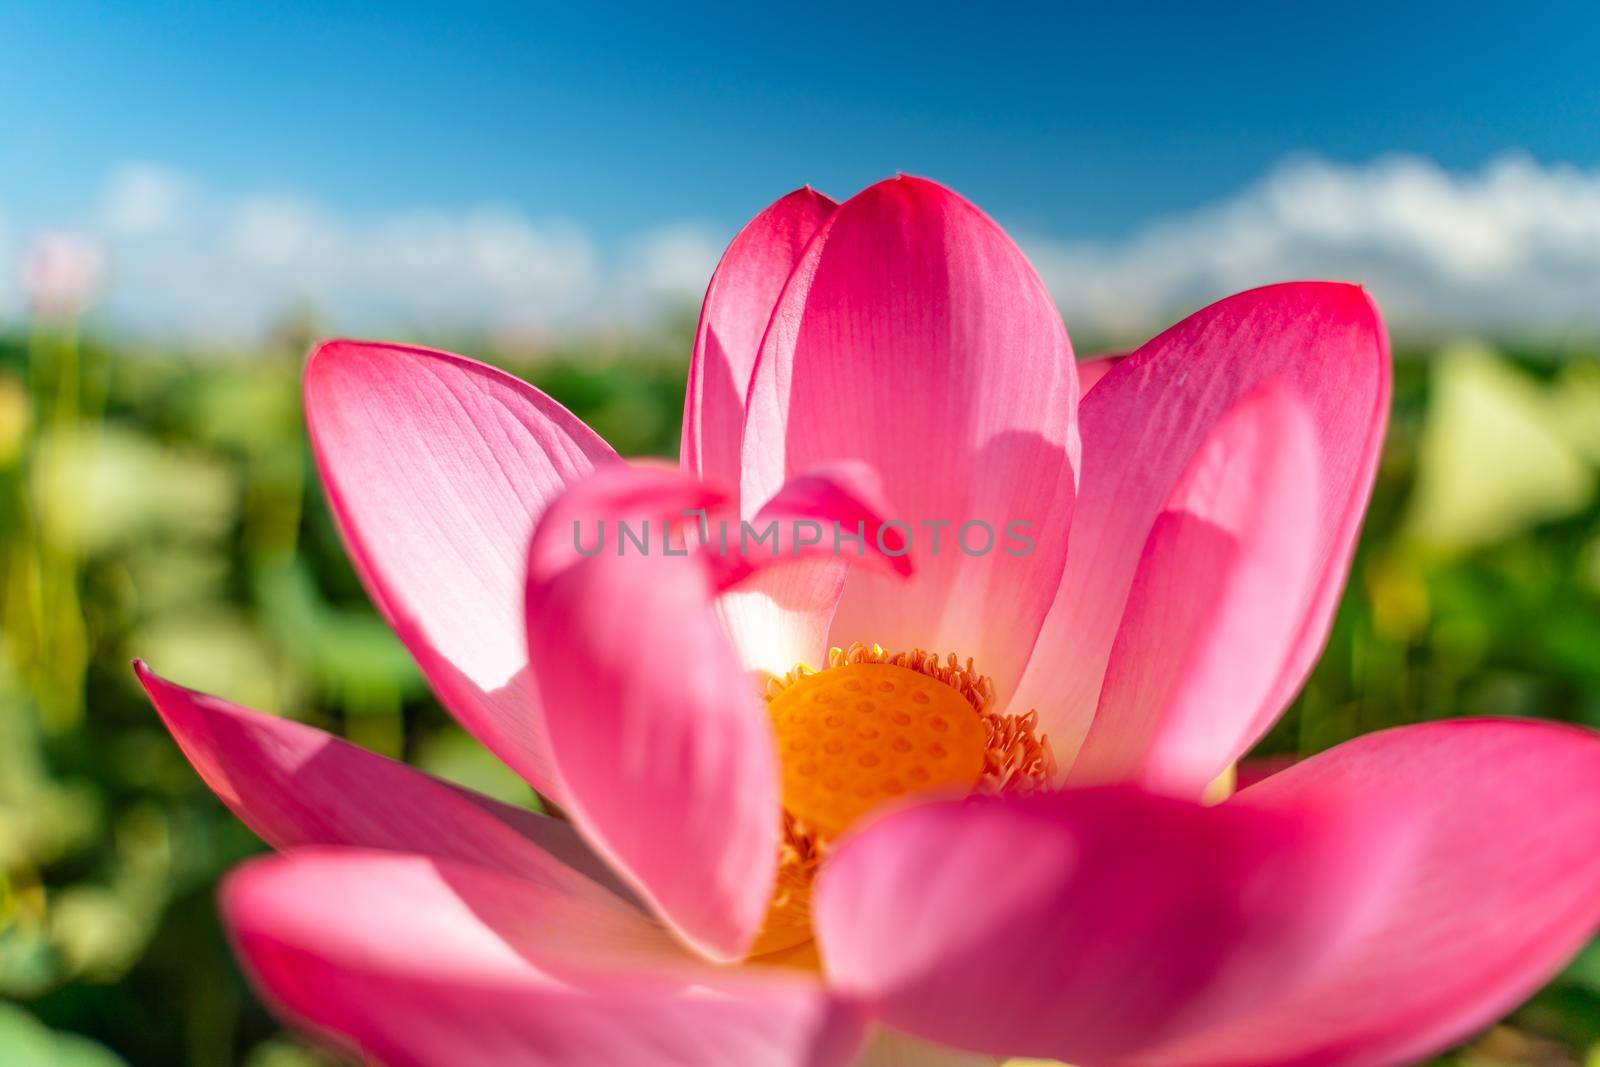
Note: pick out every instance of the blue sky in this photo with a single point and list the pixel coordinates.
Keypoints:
(1080, 121)
(1077, 123)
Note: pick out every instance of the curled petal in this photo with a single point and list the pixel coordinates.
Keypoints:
(779, 594)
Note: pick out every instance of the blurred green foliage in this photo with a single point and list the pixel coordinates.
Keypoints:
(164, 506)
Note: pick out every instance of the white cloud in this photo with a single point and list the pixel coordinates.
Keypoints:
(674, 263)
(142, 198)
(1515, 245)
(187, 261)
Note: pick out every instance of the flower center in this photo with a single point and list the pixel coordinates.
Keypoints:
(872, 727)
(863, 733)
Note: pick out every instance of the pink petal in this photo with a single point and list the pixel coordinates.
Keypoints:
(913, 335)
(295, 785)
(738, 305)
(837, 514)
(1085, 925)
(655, 500)
(889, 1048)
(1258, 769)
(663, 747)
(422, 963)
(1090, 371)
(779, 615)
(1214, 610)
(1142, 424)
(1501, 886)
(437, 468)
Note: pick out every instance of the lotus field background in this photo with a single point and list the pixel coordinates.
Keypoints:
(163, 504)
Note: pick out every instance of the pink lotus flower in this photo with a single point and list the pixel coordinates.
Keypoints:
(61, 273)
(903, 857)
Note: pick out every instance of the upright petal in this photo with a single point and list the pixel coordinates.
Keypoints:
(663, 748)
(1121, 917)
(1213, 613)
(423, 963)
(436, 468)
(1144, 421)
(913, 335)
(296, 786)
(738, 305)
(1501, 885)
